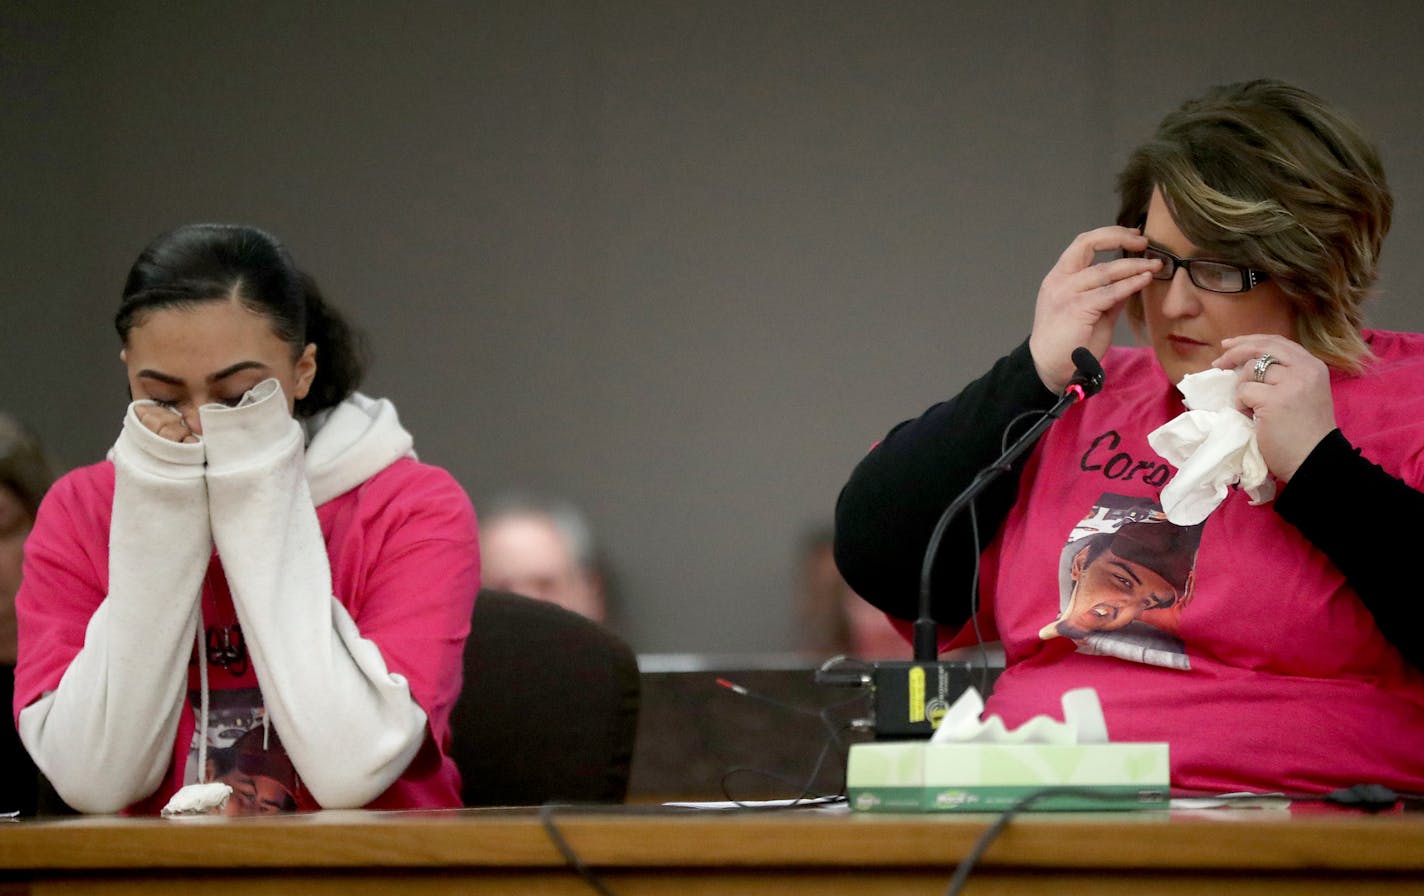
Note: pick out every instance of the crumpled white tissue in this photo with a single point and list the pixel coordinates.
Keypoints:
(197, 799)
(1083, 723)
(1213, 446)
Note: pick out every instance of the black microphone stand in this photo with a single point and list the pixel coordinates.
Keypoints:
(908, 697)
(1088, 380)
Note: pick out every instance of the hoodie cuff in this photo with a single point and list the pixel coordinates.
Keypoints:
(147, 452)
(256, 432)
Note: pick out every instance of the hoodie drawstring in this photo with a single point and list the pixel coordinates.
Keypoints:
(202, 699)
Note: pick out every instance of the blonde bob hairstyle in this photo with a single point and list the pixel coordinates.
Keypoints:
(1268, 175)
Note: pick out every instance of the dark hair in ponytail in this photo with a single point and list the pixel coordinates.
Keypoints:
(211, 262)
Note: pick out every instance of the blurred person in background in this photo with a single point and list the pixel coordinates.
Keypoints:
(25, 475)
(543, 548)
(832, 619)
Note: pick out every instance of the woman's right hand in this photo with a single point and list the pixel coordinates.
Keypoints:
(166, 422)
(1079, 301)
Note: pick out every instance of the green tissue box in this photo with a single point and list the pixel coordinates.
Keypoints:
(920, 776)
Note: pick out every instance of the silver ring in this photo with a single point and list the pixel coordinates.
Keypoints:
(1263, 364)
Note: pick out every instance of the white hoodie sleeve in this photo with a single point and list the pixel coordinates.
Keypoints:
(349, 725)
(104, 736)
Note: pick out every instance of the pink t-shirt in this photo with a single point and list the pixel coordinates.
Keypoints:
(404, 563)
(1236, 641)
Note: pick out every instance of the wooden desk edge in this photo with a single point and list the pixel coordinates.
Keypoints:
(1227, 841)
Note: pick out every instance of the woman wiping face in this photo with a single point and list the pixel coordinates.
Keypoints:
(213, 352)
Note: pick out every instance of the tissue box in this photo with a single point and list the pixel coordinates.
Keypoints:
(983, 777)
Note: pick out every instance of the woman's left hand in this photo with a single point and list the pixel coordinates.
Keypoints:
(1289, 399)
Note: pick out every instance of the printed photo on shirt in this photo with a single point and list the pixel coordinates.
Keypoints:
(243, 753)
(1125, 577)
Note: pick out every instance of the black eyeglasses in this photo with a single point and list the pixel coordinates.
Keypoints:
(1213, 276)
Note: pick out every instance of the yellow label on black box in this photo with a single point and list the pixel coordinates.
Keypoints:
(917, 694)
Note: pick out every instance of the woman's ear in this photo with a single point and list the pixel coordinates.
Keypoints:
(306, 372)
(1080, 561)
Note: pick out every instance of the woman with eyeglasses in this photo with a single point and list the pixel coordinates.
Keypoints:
(261, 554)
(1247, 240)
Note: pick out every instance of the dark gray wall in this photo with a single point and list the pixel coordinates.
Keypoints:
(681, 261)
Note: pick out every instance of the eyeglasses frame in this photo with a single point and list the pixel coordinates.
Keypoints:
(1251, 277)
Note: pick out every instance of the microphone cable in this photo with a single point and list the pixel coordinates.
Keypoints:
(986, 839)
(556, 836)
(804, 798)
(1369, 798)
(979, 642)
(1086, 381)
(833, 741)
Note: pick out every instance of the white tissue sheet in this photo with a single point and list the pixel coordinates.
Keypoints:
(1083, 723)
(197, 799)
(1213, 446)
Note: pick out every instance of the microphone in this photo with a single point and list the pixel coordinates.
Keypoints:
(911, 696)
(1087, 379)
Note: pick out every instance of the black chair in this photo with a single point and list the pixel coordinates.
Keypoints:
(549, 709)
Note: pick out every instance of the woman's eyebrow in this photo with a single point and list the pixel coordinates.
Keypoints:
(236, 368)
(161, 377)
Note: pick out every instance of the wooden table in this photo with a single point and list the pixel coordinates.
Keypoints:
(640, 851)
